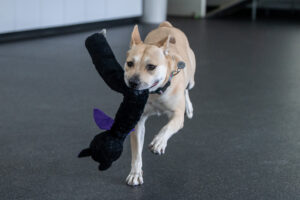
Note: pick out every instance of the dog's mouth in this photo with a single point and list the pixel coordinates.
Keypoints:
(144, 86)
(154, 84)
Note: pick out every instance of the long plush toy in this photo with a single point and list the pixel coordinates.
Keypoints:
(107, 146)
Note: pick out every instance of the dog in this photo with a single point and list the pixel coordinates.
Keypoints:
(165, 64)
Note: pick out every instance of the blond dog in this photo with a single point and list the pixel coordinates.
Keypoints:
(165, 64)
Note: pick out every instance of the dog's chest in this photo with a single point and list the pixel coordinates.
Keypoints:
(159, 105)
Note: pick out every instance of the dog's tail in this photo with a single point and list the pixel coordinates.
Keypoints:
(166, 24)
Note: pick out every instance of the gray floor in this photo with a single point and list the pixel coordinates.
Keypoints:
(243, 142)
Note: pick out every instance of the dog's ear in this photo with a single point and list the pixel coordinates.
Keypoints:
(85, 153)
(165, 43)
(135, 36)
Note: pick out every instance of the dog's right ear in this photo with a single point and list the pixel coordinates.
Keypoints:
(135, 36)
(165, 43)
(85, 153)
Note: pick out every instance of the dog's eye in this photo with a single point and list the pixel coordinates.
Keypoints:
(130, 64)
(150, 67)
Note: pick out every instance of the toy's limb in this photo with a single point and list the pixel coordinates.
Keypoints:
(105, 62)
(129, 112)
(107, 147)
(112, 73)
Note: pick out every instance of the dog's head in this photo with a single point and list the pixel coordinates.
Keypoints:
(147, 65)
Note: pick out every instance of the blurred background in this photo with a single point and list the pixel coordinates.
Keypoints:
(19, 15)
(243, 142)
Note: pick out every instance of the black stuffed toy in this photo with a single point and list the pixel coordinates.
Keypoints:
(107, 147)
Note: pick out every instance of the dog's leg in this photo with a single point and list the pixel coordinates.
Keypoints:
(159, 143)
(135, 176)
(188, 105)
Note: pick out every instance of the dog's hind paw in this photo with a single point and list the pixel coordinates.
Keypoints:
(189, 110)
(135, 178)
(188, 105)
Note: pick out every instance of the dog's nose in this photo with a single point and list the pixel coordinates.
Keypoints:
(134, 82)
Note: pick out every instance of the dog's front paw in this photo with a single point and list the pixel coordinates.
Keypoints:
(135, 178)
(158, 145)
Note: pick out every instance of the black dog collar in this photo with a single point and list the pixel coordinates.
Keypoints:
(161, 90)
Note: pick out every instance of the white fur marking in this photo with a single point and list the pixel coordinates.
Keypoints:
(136, 59)
(161, 72)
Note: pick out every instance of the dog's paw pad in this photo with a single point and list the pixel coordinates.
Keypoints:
(135, 178)
(158, 145)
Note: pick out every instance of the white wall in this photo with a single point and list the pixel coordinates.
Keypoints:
(19, 15)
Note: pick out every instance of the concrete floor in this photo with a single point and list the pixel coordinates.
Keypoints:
(243, 142)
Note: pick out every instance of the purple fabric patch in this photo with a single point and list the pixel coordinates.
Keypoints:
(102, 120)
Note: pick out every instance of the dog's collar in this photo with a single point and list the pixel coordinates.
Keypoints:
(161, 90)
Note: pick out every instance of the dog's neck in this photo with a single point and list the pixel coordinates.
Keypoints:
(171, 67)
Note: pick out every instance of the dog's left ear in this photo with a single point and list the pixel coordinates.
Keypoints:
(165, 43)
(135, 36)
